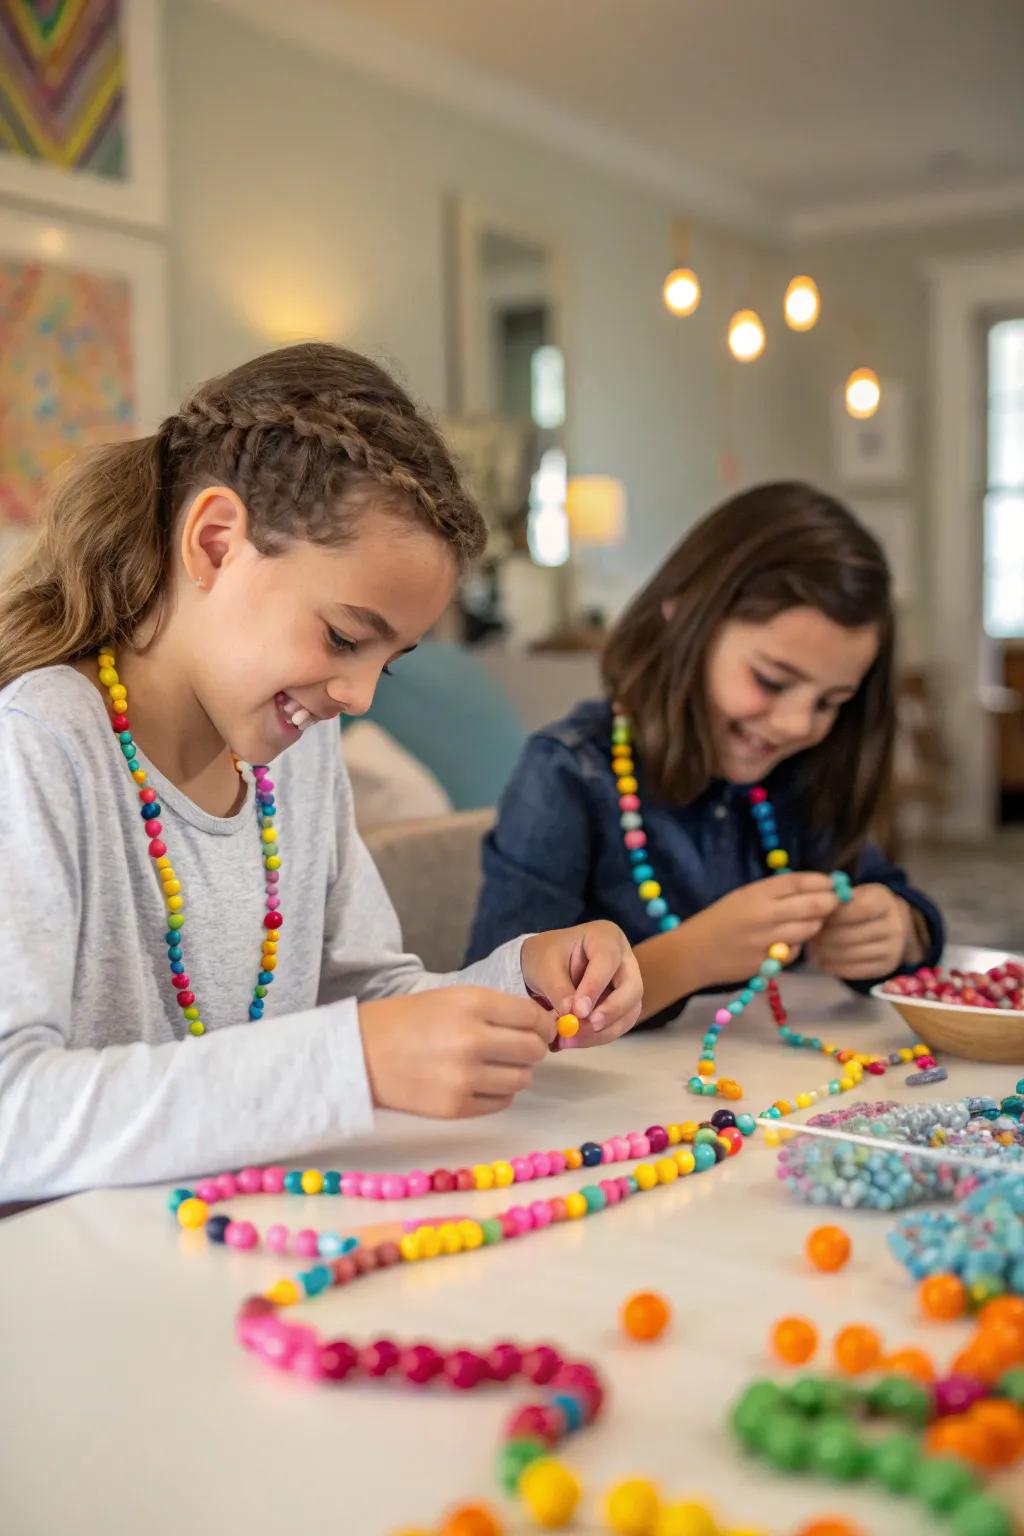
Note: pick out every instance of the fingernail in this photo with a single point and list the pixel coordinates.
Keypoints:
(598, 1021)
(584, 1008)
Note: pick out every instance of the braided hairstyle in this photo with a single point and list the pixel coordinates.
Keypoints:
(308, 436)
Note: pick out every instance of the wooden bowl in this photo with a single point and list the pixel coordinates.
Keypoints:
(978, 1034)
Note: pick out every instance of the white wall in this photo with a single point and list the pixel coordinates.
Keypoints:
(307, 199)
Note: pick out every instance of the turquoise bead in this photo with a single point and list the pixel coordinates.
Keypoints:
(125, 737)
(770, 967)
(757, 984)
(178, 1197)
(315, 1280)
(746, 1123)
(696, 1084)
(746, 997)
(703, 1157)
(332, 1182)
(571, 1407)
(129, 749)
(709, 1090)
(293, 1181)
(735, 1007)
(643, 871)
(657, 907)
(669, 923)
(595, 1197)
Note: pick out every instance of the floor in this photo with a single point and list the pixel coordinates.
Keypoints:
(980, 890)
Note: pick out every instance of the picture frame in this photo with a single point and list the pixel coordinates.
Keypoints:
(875, 452)
(136, 197)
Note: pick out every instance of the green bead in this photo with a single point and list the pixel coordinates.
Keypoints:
(981, 1516)
(808, 1396)
(836, 1450)
(176, 920)
(514, 1457)
(750, 1415)
(708, 1090)
(985, 1288)
(785, 1441)
(898, 1397)
(894, 1461)
(696, 1084)
(259, 991)
(705, 1134)
(942, 1483)
(595, 1197)
(491, 1229)
(1011, 1385)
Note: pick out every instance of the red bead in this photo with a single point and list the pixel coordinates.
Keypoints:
(540, 1364)
(185, 999)
(465, 1370)
(378, 1358)
(876, 1068)
(464, 1179)
(559, 1211)
(154, 828)
(387, 1255)
(757, 795)
(272, 919)
(337, 1359)
(657, 1136)
(504, 1361)
(535, 1419)
(256, 1306)
(442, 1181)
(343, 1270)
(364, 1260)
(420, 1363)
(508, 1226)
(120, 723)
(147, 796)
(181, 982)
(923, 1063)
(157, 849)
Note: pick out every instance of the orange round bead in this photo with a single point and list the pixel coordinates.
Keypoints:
(646, 1315)
(1005, 1424)
(856, 1349)
(794, 1340)
(942, 1297)
(1003, 1309)
(828, 1248)
(830, 1525)
(472, 1520)
(909, 1362)
(962, 1436)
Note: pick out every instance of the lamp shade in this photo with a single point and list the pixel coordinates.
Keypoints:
(596, 505)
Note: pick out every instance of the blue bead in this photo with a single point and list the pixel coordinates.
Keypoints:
(266, 977)
(657, 907)
(293, 1181)
(129, 749)
(332, 1182)
(695, 1084)
(174, 952)
(746, 997)
(735, 1007)
(669, 924)
(315, 1280)
(172, 937)
(330, 1245)
(634, 1186)
(642, 872)
(591, 1154)
(216, 1227)
(773, 1113)
(761, 810)
(772, 842)
(177, 968)
(703, 1157)
(757, 984)
(770, 967)
(255, 1011)
(637, 855)
(177, 1196)
(152, 811)
(572, 1409)
(595, 1197)
(746, 1123)
(124, 737)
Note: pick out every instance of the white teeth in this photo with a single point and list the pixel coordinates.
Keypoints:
(302, 718)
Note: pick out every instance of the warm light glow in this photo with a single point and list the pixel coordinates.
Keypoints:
(802, 304)
(52, 241)
(746, 335)
(863, 393)
(596, 506)
(681, 291)
(547, 526)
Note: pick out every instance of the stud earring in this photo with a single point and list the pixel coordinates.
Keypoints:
(197, 581)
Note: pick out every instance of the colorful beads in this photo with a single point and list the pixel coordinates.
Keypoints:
(828, 1248)
(646, 1315)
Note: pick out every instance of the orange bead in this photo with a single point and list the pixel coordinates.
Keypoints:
(1003, 1338)
(794, 1340)
(909, 1362)
(827, 1248)
(1003, 1308)
(962, 1436)
(1004, 1423)
(472, 1520)
(856, 1349)
(646, 1315)
(984, 1358)
(830, 1525)
(942, 1297)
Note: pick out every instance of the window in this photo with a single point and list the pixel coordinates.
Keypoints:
(1004, 490)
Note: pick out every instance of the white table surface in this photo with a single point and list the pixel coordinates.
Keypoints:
(127, 1406)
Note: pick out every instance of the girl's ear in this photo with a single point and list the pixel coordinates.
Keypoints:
(216, 525)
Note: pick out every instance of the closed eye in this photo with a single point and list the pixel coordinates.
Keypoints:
(339, 643)
(768, 684)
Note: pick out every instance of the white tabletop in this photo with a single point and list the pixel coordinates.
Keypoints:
(127, 1406)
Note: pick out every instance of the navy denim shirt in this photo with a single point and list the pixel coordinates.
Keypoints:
(557, 857)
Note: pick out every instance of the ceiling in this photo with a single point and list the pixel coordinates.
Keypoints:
(800, 109)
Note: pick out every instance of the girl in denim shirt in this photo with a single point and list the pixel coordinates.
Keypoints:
(760, 654)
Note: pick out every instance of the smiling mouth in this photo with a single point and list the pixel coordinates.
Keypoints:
(752, 742)
(296, 714)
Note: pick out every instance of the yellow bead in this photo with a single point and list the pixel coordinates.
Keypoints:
(846, 1083)
(172, 887)
(666, 1170)
(706, 1068)
(483, 1176)
(504, 1175)
(647, 890)
(119, 694)
(550, 1493)
(772, 1136)
(568, 1026)
(408, 1247)
(778, 952)
(645, 1176)
(429, 1240)
(472, 1234)
(273, 862)
(919, 1050)
(163, 863)
(451, 1241)
(777, 859)
(684, 1161)
(193, 1213)
(269, 834)
(804, 1101)
(108, 677)
(631, 1507)
(283, 1293)
(196, 1027)
(139, 775)
(626, 785)
(688, 1130)
(105, 658)
(675, 1134)
(575, 1205)
(906, 1054)
(686, 1519)
(175, 903)
(312, 1181)
(191, 1013)
(269, 962)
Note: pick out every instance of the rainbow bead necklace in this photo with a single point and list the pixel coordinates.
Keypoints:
(150, 810)
(649, 889)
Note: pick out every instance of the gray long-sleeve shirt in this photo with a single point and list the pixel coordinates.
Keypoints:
(97, 1084)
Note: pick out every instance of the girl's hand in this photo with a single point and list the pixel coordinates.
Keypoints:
(732, 937)
(452, 1052)
(589, 971)
(868, 938)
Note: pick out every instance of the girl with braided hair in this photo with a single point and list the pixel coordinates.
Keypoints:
(199, 601)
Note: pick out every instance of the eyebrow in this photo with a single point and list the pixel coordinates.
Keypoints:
(371, 618)
(784, 666)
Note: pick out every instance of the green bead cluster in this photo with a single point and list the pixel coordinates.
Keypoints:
(807, 1426)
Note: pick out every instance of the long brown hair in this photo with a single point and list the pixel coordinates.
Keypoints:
(306, 436)
(775, 547)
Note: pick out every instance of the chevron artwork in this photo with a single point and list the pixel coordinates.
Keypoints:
(62, 84)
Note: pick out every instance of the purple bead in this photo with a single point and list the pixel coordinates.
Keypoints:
(272, 876)
(657, 1136)
(955, 1394)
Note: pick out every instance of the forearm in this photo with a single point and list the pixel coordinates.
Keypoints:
(673, 966)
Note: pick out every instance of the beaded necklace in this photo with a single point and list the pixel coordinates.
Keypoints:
(150, 811)
(650, 891)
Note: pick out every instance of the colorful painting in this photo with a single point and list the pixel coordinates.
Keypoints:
(66, 373)
(62, 84)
